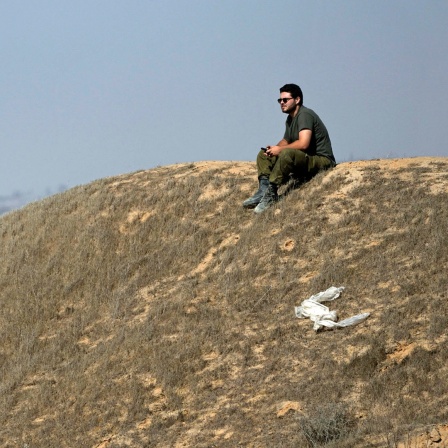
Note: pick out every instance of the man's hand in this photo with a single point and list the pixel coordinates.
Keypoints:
(272, 151)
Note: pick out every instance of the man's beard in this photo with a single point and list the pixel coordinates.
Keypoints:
(290, 109)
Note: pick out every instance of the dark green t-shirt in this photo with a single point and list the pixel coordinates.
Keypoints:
(320, 144)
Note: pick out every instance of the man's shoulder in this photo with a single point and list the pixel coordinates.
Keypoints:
(306, 115)
(306, 110)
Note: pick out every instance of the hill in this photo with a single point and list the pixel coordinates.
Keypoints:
(151, 310)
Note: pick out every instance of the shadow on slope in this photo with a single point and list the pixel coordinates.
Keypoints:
(150, 309)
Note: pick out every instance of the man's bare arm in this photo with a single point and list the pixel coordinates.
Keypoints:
(302, 143)
(282, 142)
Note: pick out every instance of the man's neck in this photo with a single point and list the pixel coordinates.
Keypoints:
(294, 112)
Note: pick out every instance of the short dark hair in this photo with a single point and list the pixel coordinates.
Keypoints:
(294, 90)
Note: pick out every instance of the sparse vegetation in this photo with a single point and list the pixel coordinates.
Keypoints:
(326, 424)
(151, 310)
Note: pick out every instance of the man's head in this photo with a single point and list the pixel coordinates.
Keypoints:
(291, 98)
(294, 90)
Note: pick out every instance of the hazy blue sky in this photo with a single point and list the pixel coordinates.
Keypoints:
(95, 88)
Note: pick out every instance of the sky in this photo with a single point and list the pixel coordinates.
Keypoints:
(97, 88)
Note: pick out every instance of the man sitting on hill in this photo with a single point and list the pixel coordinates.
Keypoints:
(304, 150)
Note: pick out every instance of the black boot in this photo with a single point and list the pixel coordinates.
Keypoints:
(270, 197)
(254, 200)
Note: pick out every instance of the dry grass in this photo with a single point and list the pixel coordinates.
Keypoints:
(150, 309)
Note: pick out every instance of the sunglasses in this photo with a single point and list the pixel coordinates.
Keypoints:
(284, 100)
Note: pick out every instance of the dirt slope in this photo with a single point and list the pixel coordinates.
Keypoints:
(150, 309)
